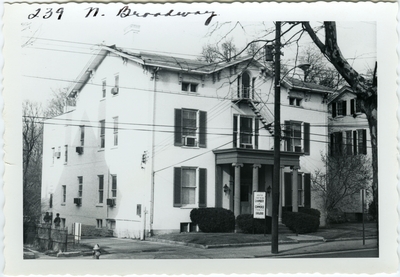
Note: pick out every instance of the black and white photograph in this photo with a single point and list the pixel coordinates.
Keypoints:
(196, 132)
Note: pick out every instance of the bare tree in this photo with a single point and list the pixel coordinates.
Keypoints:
(57, 104)
(342, 179)
(32, 131)
(215, 53)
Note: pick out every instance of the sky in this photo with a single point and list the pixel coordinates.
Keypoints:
(56, 51)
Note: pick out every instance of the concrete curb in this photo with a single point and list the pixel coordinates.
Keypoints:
(347, 239)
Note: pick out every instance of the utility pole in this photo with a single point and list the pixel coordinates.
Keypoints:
(277, 141)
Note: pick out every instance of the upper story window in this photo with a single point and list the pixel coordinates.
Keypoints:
(339, 108)
(113, 186)
(80, 186)
(104, 88)
(297, 137)
(82, 135)
(115, 131)
(293, 101)
(355, 106)
(245, 132)
(115, 89)
(350, 142)
(190, 128)
(102, 133)
(245, 90)
(65, 154)
(190, 87)
(64, 194)
(190, 185)
(101, 188)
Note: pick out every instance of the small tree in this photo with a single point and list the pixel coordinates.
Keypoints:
(213, 53)
(342, 179)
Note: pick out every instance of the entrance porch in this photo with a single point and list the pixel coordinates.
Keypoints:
(240, 172)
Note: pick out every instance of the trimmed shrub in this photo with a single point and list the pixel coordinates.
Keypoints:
(213, 220)
(300, 223)
(245, 224)
(310, 211)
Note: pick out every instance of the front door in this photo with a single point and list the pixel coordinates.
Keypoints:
(245, 197)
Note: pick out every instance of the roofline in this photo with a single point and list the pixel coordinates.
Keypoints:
(342, 91)
(290, 85)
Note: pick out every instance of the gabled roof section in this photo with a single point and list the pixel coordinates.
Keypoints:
(293, 83)
(343, 90)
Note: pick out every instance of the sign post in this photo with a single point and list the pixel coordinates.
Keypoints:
(259, 208)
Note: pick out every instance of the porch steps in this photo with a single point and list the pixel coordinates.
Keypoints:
(282, 229)
(265, 116)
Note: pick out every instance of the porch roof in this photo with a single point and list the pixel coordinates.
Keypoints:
(255, 156)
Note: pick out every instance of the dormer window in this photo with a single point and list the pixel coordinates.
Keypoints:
(190, 87)
(293, 101)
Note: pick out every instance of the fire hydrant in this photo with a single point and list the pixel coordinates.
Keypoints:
(96, 252)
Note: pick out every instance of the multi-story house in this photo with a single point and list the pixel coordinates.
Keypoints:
(152, 137)
(348, 136)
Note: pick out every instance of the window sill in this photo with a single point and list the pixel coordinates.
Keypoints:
(183, 207)
(99, 205)
(191, 147)
(63, 204)
(103, 99)
(114, 147)
(101, 150)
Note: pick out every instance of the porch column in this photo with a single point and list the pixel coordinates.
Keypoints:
(255, 184)
(236, 207)
(282, 193)
(295, 205)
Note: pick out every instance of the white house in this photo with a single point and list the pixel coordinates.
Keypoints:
(154, 136)
(349, 134)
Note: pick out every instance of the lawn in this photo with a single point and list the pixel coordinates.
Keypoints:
(337, 231)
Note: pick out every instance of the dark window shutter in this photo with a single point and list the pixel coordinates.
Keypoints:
(352, 106)
(203, 129)
(307, 190)
(203, 187)
(235, 125)
(339, 140)
(364, 141)
(355, 150)
(333, 109)
(306, 138)
(344, 107)
(256, 132)
(288, 189)
(177, 187)
(287, 135)
(332, 145)
(178, 127)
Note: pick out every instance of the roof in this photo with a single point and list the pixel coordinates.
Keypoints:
(343, 90)
(178, 64)
(301, 85)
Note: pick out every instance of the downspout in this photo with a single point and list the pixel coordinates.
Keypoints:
(156, 69)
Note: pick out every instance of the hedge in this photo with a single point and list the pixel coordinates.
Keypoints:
(213, 220)
(310, 211)
(300, 223)
(245, 224)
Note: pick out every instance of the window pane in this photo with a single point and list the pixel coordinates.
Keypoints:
(189, 123)
(246, 124)
(185, 86)
(188, 195)
(188, 177)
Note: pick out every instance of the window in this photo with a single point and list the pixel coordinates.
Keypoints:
(111, 224)
(104, 88)
(114, 186)
(355, 106)
(300, 189)
(82, 136)
(63, 224)
(190, 128)
(245, 132)
(80, 186)
(115, 89)
(51, 201)
(116, 131)
(64, 194)
(101, 188)
(190, 186)
(295, 101)
(191, 87)
(297, 136)
(362, 141)
(99, 223)
(339, 108)
(65, 153)
(348, 142)
(102, 133)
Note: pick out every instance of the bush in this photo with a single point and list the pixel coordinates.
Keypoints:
(245, 224)
(300, 223)
(310, 211)
(213, 220)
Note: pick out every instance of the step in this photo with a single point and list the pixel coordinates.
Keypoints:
(282, 229)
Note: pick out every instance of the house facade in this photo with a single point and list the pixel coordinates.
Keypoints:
(152, 137)
(348, 136)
